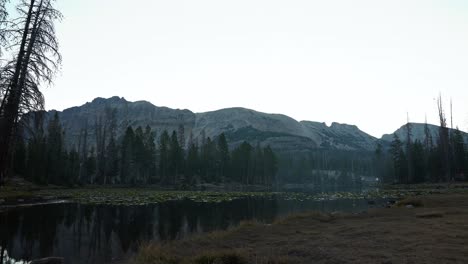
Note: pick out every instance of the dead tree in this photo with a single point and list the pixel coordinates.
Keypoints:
(444, 140)
(36, 60)
(409, 150)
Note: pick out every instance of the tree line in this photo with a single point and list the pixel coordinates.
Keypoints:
(443, 158)
(137, 157)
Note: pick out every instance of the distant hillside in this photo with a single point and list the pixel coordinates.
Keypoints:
(239, 124)
(418, 133)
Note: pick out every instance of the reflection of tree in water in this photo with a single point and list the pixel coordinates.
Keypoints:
(99, 233)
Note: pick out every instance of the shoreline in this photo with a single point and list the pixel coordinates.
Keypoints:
(422, 229)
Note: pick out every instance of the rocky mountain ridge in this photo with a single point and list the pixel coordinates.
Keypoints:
(281, 132)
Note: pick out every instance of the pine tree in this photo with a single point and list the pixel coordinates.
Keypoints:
(223, 157)
(399, 159)
(271, 165)
(241, 163)
(128, 163)
(258, 170)
(112, 162)
(72, 167)
(181, 136)
(55, 151)
(193, 162)
(36, 162)
(209, 161)
(176, 158)
(164, 142)
(418, 162)
(459, 153)
(150, 155)
(139, 154)
(19, 159)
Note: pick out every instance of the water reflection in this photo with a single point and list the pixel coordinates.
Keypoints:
(102, 234)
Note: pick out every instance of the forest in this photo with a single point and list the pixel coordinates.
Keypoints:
(138, 157)
(441, 159)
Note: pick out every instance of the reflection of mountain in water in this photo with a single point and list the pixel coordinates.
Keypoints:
(99, 234)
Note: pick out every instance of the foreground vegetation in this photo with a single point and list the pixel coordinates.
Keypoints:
(423, 229)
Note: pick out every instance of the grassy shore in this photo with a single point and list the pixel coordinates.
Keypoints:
(422, 229)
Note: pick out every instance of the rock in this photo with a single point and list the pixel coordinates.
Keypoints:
(2, 200)
(50, 260)
(409, 206)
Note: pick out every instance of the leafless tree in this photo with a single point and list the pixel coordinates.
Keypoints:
(35, 62)
(409, 135)
(444, 141)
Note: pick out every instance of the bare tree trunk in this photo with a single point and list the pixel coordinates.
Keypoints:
(444, 140)
(9, 113)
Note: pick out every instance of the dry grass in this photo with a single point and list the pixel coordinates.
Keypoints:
(154, 254)
(220, 257)
(416, 202)
(430, 215)
(318, 216)
(434, 233)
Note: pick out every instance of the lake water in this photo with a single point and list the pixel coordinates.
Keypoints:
(105, 234)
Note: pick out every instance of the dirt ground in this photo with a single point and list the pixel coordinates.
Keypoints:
(434, 232)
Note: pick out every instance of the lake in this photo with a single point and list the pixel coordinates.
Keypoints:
(84, 233)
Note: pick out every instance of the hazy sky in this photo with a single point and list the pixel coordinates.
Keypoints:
(366, 63)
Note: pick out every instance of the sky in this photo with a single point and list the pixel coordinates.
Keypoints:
(366, 63)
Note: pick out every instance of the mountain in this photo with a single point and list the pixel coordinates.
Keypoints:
(281, 132)
(418, 132)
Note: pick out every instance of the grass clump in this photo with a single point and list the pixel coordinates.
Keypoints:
(410, 201)
(430, 215)
(225, 257)
(318, 216)
(154, 254)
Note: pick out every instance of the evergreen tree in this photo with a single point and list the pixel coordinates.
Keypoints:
(72, 167)
(181, 136)
(258, 170)
(241, 163)
(19, 158)
(223, 157)
(164, 142)
(90, 166)
(176, 158)
(192, 163)
(128, 163)
(459, 157)
(55, 167)
(36, 162)
(399, 160)
(418, 162)
(138, 155)
(271, 165)
(150, 155)
(209, 163)
(112, 162)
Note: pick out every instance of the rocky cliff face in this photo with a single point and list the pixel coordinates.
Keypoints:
(239, 124)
